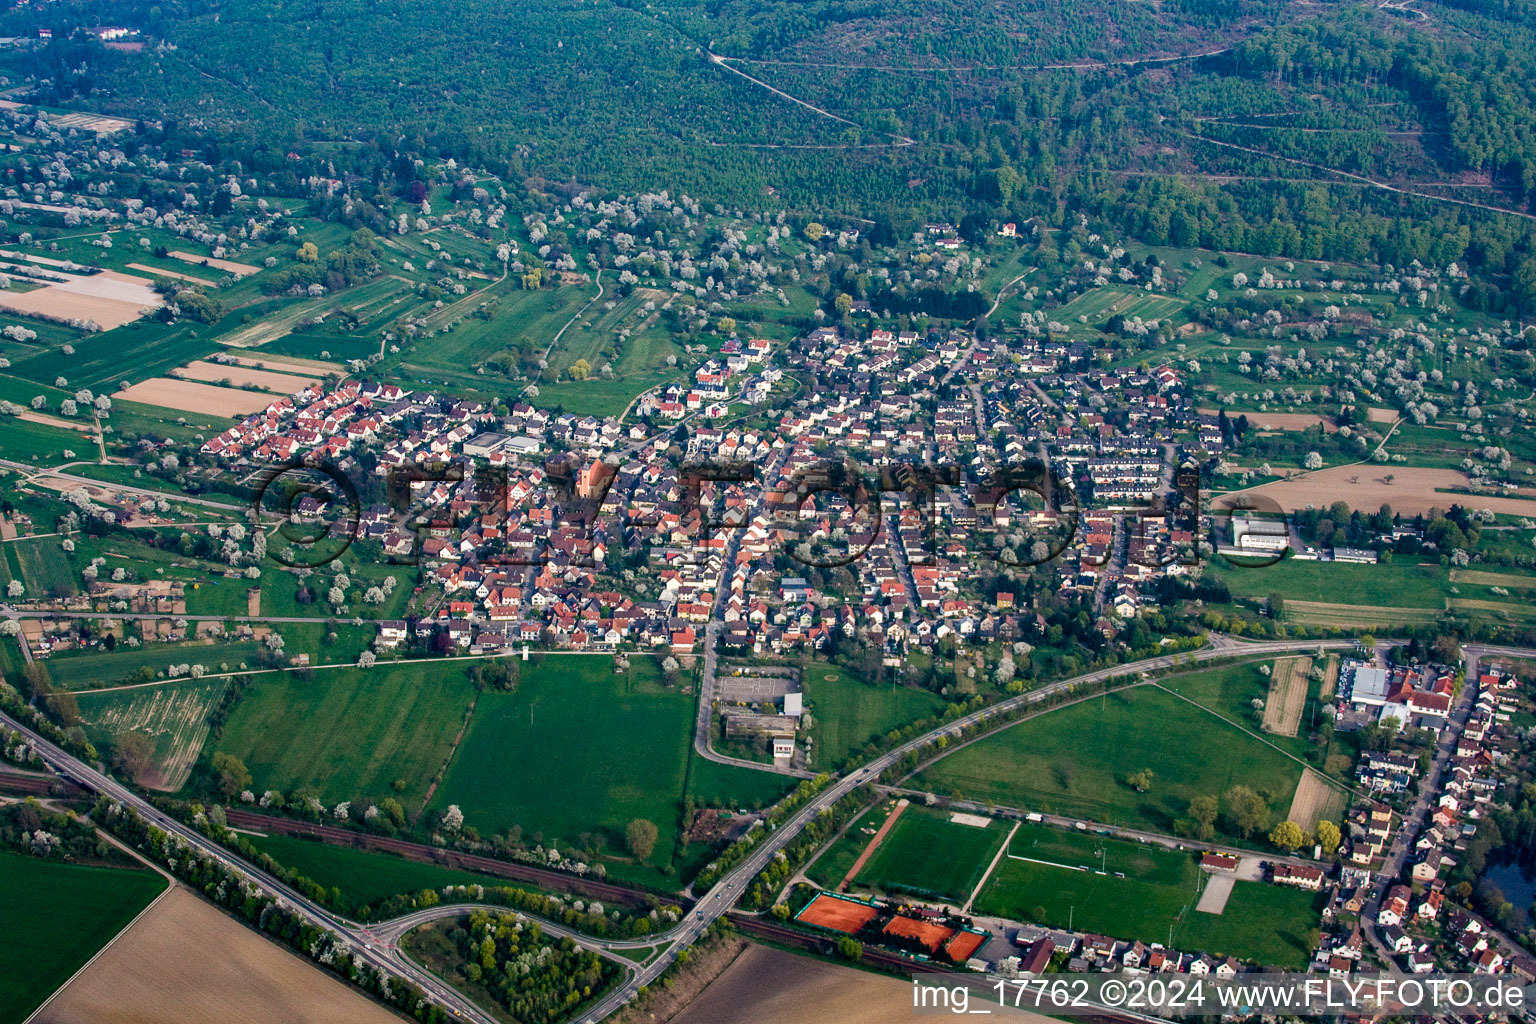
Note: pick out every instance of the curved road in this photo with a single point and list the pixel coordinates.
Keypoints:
(378, 944)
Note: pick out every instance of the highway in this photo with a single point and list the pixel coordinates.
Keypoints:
(378, 944)
(380, 955)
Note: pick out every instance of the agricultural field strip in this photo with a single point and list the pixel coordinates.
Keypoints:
(1287, 695)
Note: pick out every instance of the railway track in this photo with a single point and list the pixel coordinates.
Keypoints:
(557, 881)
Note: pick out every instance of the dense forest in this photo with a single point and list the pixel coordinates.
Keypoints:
(1333, 131)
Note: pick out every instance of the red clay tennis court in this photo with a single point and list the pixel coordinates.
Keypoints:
(931, 936)
(837, 914)
(963, 946)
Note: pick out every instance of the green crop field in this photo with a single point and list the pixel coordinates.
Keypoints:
(364, 877)
(927, 854)
(577, 749)
(57, 915)
(174, 716)
(21, 441)
(1060, 885)
(572, 750)
(849, 712)
(90, 669)
(45, 568)
(350, 733)
(1075, 761)
(1400, 584)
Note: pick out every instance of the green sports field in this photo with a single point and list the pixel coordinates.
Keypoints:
(1070, 880)
(834, 861)
(927, 854)
(350, 733)
(1074, 761)
(56, 917)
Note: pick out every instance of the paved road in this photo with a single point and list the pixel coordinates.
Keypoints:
(1401, 848)
(379, 956)
(716, 626)
(377, 945)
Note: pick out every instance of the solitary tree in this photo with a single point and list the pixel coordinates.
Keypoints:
(231, 772)
(132, 753)
(1328, 836)
(640, 834)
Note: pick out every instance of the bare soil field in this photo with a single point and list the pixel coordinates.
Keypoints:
(1280, 420)
(1411, 491)
(186, 963)
(770, 986)
(1330, 677)
(239, 376)
(291, 364)
(228, 266)
(1322, 613)
(1316, 799)
(1381, 415)
(192, 396)
(57, 303)
(173, 275)
(1287, 695)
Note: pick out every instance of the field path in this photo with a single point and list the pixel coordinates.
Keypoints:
(598, 280)
(981, 883)
(874, 842)
(720, 61)
(438, 778)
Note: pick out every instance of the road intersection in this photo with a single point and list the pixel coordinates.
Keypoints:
(378, 944)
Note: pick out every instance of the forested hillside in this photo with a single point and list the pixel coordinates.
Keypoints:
(1326, 131)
